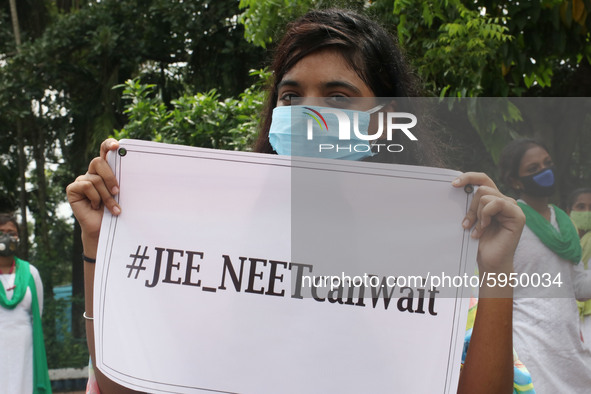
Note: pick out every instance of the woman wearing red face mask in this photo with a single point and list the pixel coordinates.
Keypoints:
(546, 331)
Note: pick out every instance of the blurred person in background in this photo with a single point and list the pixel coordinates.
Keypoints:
(579, 210)
(546, 329)
(23, 364)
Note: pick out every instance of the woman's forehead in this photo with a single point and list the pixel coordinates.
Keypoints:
(533, 154)
(324, 67)
(583, 198)
(8, 226)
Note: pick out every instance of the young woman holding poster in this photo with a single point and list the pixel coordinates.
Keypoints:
(546, 332)
(338, 54)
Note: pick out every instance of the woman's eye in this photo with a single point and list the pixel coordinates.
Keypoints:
(286, 98)
(338, 101)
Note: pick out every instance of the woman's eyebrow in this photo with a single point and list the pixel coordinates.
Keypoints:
(287, 82)
(343, 84)
(330, 84)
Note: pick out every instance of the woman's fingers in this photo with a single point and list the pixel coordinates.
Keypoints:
(104, 191)
(481, 180)
(488, 207)
(503, 210)
(474, 178)
(108, 145)
(100, 167)
(497, 222)
(97, 187)
(82, 189)
(471, 217)
(91, 189)
(486, 187)
(499, 227)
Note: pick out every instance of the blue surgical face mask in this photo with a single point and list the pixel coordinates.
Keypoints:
(311, 131)
(540, 184)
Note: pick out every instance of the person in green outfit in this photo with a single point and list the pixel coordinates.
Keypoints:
(546, 332)
(579, 210)
(23, 364)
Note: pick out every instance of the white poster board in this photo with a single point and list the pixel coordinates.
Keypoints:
(198, 281)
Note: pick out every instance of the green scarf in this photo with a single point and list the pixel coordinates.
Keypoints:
(24, 279)
(565, 242)
(586, 247)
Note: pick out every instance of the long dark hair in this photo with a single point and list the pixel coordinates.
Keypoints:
(368, 48)
(510, 160)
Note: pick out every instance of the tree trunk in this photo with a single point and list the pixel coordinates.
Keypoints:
(42, 218)
(78, 324)
(22, 169)
(15, 26)
(22, 162)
